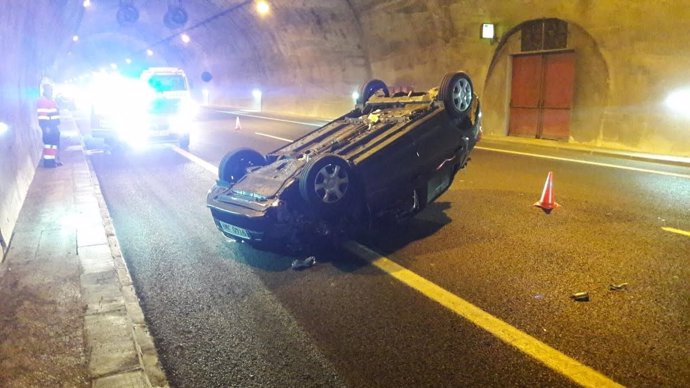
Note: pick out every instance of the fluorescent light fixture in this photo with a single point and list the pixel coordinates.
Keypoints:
(75, 38)
(262, 8)
(185, 38)
(678, 102)
(3, 128)
(86, 3)
(149, 52)
(488, 31)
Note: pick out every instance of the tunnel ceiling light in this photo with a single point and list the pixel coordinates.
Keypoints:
(256, 93)
(185, 38)
(176, 16)
(128, 61)
(149, 52)
(75, 38)
(678, 102)
(86, 3)
(127, 13)
(262, 8)
(488, 31)
(4, 128)
(113, 66)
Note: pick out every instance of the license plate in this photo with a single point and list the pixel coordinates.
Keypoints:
(234, 230)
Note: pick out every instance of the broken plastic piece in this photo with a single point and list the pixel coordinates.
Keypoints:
(580, 296)
(617, 287)
(302, 264)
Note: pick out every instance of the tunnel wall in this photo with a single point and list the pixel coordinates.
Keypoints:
(629, 57)
(30, 38)
(308, 57)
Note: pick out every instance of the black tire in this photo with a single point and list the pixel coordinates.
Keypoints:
(370, 88)
(327, 184)
(183, 142)
(457, 93)
(236, 162)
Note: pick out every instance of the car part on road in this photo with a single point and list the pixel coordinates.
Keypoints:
(580, 297)
(302, 264)
(618, 287)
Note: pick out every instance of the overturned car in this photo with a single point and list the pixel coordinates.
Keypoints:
(385, 160)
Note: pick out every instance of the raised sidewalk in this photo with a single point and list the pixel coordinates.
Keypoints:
(69, 312)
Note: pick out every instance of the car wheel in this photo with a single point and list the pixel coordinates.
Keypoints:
(457, 93)
(183, 142)
(235, 164)
(370, 88)
(327, 183)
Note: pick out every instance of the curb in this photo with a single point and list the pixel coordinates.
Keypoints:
(147, 355)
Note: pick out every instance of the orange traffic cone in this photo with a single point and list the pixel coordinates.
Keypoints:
(237, 124)
(547, 202)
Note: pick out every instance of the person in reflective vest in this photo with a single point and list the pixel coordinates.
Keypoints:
(49, 121)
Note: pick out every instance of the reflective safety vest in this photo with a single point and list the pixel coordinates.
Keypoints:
(48, 113)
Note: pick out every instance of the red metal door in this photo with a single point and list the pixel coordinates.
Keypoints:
(525, 95)
(542, 95)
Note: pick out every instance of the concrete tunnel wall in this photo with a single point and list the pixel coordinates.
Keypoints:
(30, 37)
(308, 56)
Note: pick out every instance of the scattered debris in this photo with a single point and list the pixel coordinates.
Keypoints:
(580, 296)
(302, 264)
(618, 287)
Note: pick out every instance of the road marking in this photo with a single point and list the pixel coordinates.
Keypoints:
(678, 231)
(206, 165)
(685, 176)
(273, 137)
(527, 344)
(270, 118)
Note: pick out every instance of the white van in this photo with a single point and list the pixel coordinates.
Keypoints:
(155, 108)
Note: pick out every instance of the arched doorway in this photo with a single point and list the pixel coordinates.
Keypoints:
(568, 82)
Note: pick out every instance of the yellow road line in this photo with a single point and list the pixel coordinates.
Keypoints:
(527, 344)
(686, 176)
(674, 230)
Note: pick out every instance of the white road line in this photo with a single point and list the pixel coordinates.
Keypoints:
(206, 165)
(270, 118)
(273, 137)
(685, 176)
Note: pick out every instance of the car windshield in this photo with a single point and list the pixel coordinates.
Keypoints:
(168, 83)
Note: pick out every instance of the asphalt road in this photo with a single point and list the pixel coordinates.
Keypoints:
(225, 314)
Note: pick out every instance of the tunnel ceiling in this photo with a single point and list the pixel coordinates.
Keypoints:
(103, 40)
